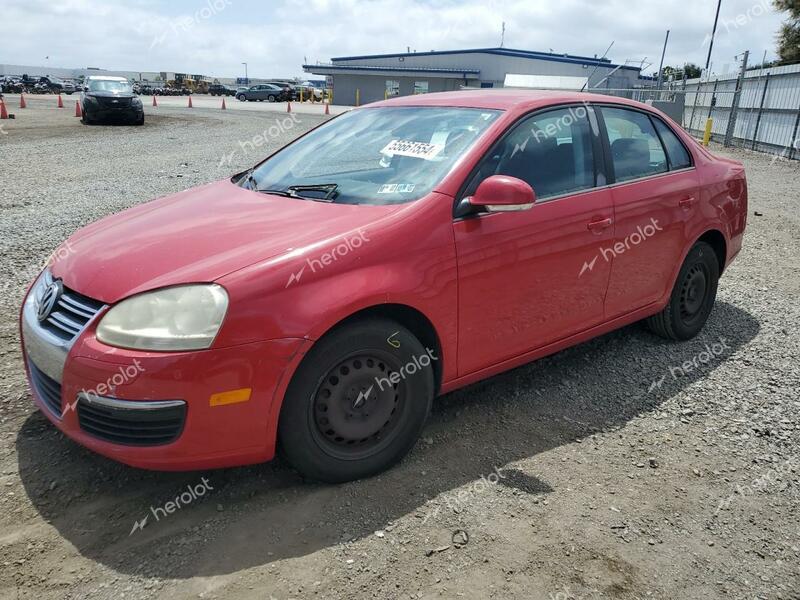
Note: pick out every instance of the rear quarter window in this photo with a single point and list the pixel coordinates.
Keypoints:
(679, 157)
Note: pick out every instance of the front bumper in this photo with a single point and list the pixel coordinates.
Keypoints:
(158, 410)
(126, 113)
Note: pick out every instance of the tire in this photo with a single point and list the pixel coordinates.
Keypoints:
(140, 121)
(692, 298)
(241, 97)
(271, 98)
(339, 420)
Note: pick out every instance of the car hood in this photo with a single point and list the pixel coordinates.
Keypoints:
(198, 235)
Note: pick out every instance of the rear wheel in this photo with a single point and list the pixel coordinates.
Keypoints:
(241, 97)
(345, 416)
(692, 298)
(271, 98)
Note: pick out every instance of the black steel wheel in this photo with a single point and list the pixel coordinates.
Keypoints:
(357, 404)
(692, 298)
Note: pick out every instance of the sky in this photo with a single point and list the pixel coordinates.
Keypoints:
(214, 37)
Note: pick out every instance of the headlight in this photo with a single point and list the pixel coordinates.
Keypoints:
(185, 317)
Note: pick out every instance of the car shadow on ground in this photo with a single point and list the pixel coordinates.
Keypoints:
(252, 516)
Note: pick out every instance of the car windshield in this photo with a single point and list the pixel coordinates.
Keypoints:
(107, 85)
(373, 155)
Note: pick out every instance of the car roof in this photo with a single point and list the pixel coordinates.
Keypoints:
(504, 99)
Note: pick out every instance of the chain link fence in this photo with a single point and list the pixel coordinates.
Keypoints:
(755, 109)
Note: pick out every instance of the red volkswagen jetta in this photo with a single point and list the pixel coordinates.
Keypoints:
(319, 301)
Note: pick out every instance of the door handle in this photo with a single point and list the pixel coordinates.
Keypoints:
(687, 202)
(600, 225)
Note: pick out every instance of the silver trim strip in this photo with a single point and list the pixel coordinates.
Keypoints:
(45, 350)
(129, 404)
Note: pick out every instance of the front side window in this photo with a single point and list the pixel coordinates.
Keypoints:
(551, 151)
(386, 155)
(636, 150)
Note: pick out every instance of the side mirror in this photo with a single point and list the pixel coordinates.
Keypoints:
(502, 193)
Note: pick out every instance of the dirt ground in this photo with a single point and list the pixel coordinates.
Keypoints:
(606, 471)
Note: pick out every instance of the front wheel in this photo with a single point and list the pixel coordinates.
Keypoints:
(241, 97)
(692, 297)
(271, 98)
(357, 403)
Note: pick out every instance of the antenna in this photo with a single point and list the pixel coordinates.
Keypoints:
(597, 66)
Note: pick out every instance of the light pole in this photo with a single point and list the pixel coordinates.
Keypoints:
(246, 79)
(713, 33)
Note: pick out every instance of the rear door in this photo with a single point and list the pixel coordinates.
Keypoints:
(532, 277)
(655, 191)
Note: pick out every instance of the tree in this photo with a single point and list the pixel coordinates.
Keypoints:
(688, 71)
(692, 71)
(789, 37)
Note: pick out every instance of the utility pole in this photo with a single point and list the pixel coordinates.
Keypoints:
(503, 35)
(661, 66)
(713, 33)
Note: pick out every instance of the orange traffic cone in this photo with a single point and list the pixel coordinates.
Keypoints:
(3, 110)
(190, 102)
(78, 112)
(223, 104)
(288, 107)
(154, 102)
(60, 102)
(327, 108)
(22, 103)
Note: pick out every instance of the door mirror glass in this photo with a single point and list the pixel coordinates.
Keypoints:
(501, 193)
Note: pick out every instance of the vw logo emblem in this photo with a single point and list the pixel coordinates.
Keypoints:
(49, 300)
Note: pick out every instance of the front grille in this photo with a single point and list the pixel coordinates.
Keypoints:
(71, 315)
(49, 390)
(131, 426)
(114, 102)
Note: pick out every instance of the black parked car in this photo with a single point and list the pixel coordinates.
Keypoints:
(217, 89)
(106, 98)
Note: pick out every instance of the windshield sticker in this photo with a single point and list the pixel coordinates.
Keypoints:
(396, 188)
(412, 149)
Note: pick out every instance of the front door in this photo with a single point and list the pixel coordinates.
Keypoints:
(532, 277)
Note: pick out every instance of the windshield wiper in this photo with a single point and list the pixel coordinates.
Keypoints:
(328, 188)
(293, 191)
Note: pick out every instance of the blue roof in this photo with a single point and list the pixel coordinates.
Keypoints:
(391, 68)
(568, 58)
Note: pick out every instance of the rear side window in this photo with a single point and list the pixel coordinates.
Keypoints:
(636, 149)
(678, 155)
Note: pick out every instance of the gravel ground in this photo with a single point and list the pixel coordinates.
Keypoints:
(600, 472)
